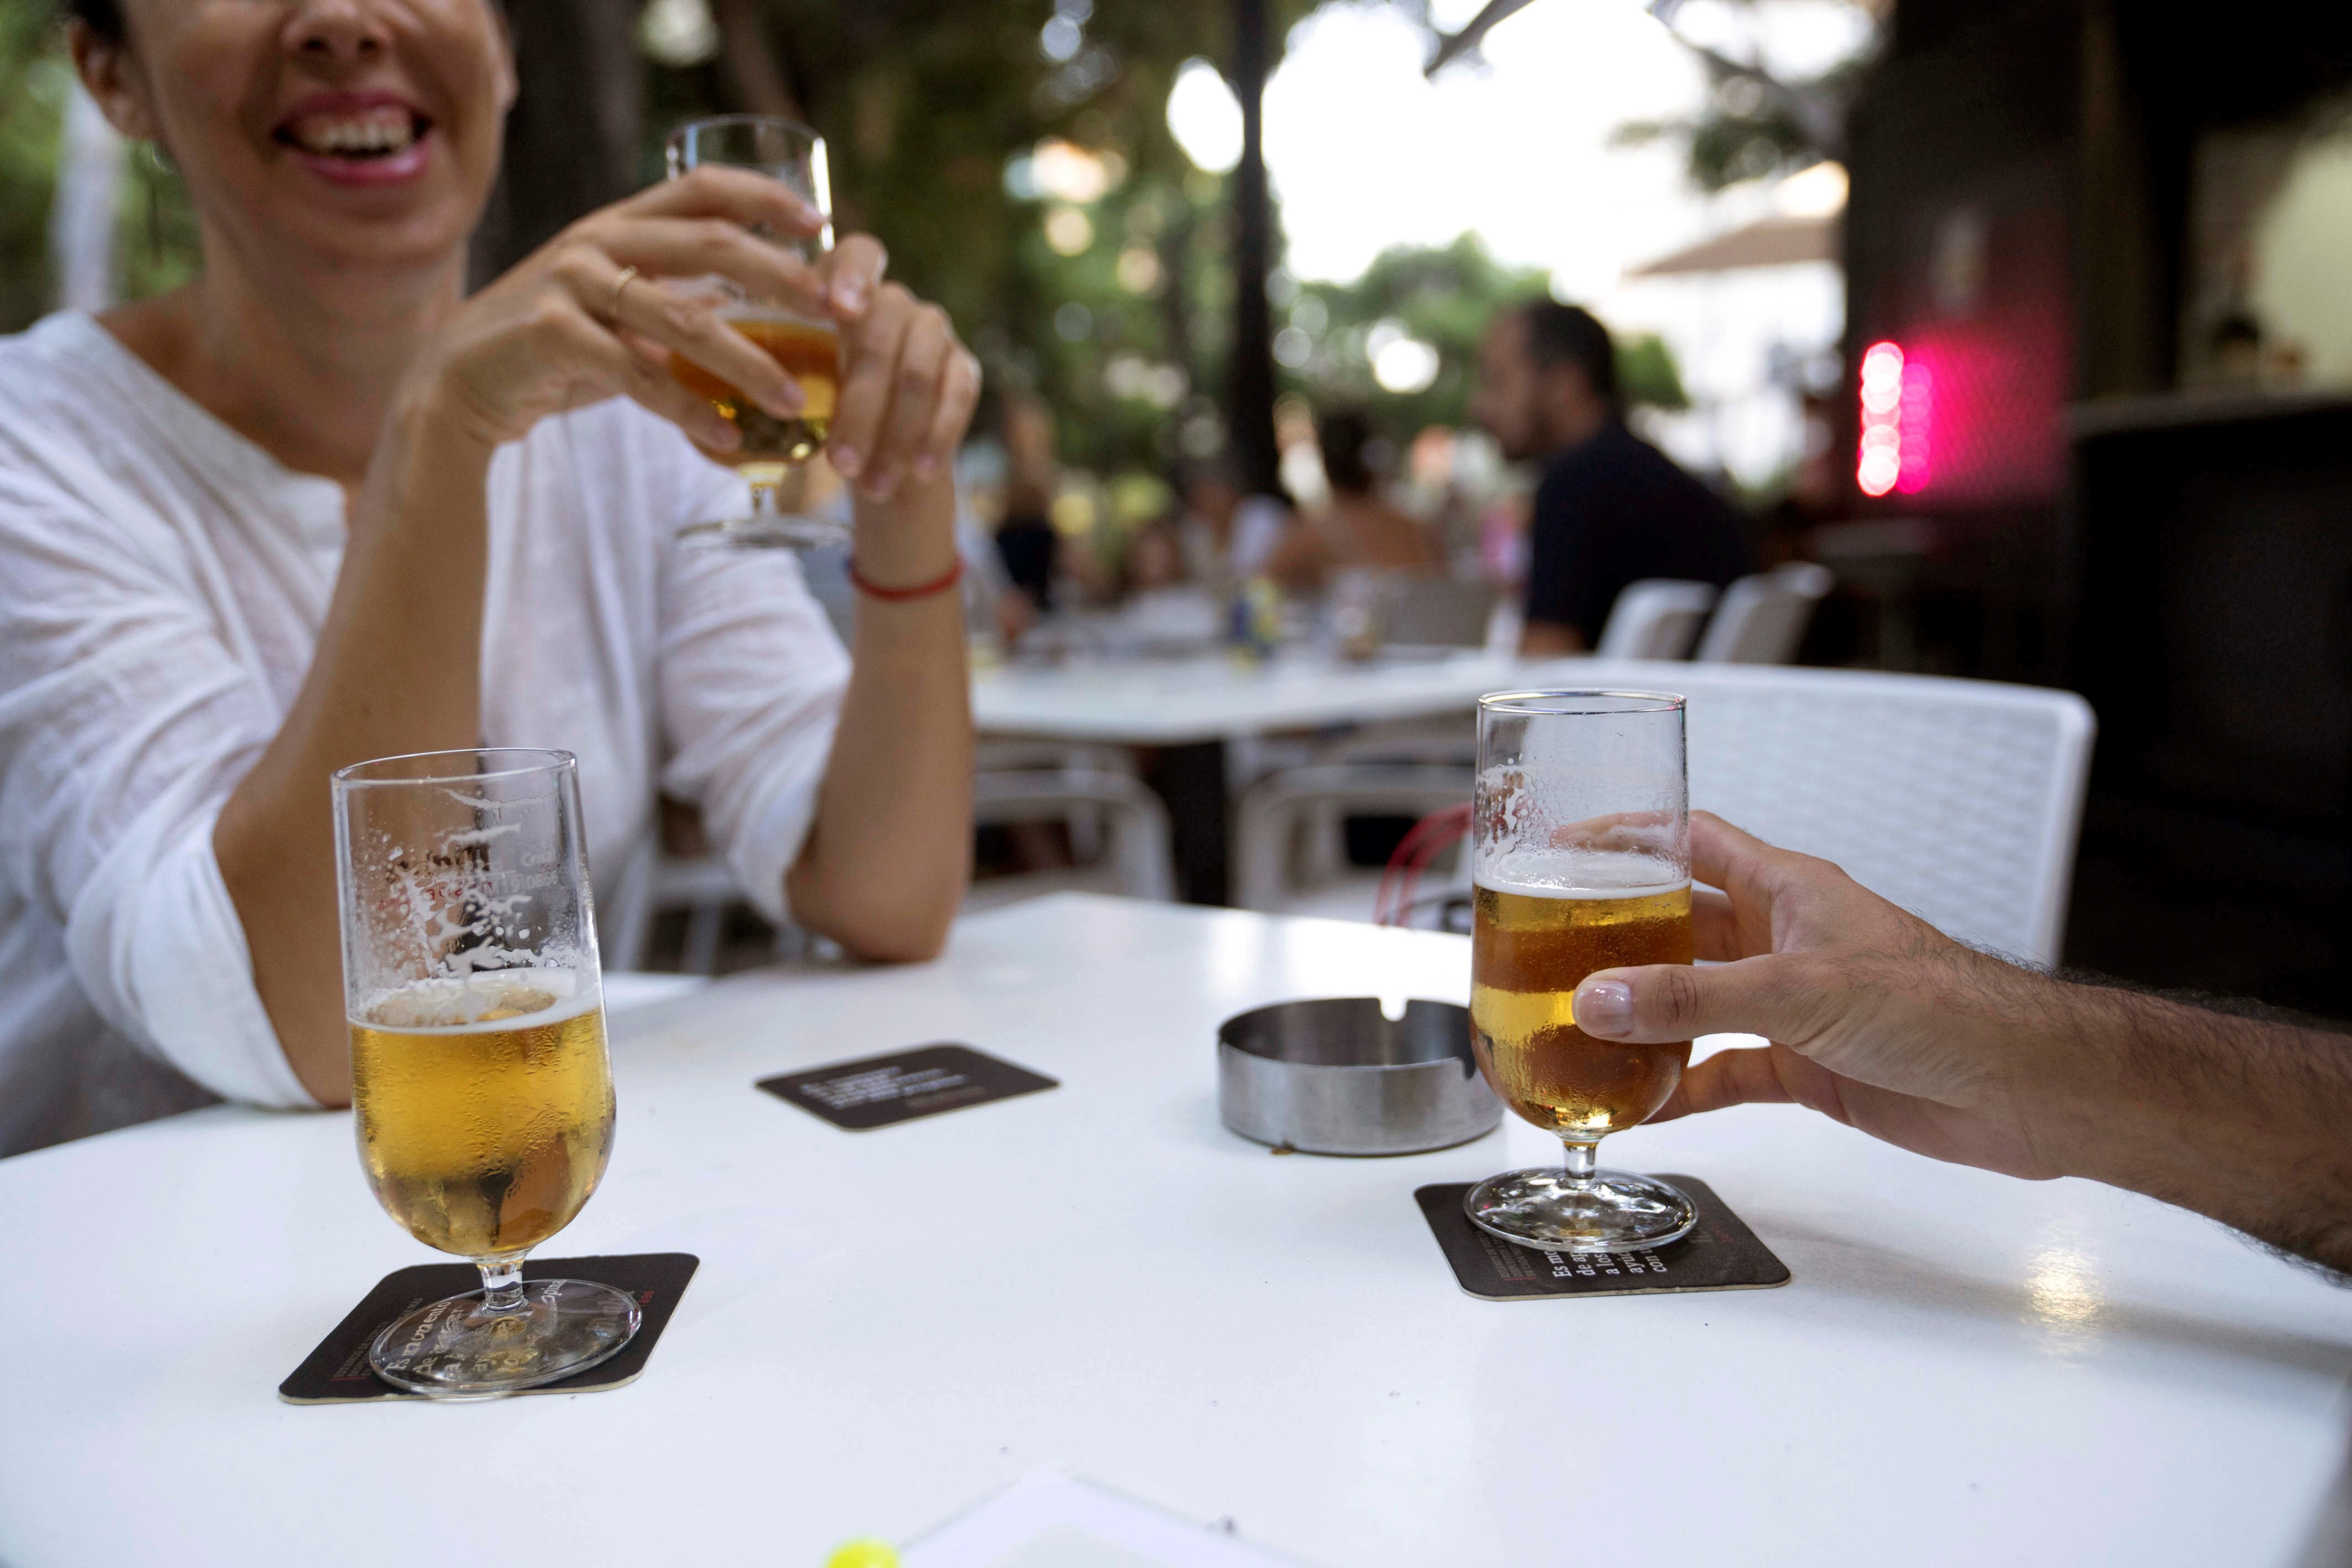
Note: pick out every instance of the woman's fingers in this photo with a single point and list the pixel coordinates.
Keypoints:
(958, 398)
(570, 335)
(745, 197)
(915, 391)
(872, 349)
(648, 308)
(851, 275)
(698, 248)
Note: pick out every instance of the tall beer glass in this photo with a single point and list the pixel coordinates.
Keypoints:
(479, 1081)
(806, 346)
(1582, 862)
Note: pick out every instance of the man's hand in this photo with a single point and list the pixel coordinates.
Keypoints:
(1882, 1021)
(1876, 1018)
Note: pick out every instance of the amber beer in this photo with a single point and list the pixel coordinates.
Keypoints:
(484, 1108)
(809, 354)
(1529, 951)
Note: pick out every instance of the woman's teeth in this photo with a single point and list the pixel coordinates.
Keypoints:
(373, 135)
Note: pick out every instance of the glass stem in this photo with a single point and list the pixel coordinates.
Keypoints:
(1580, 1156)
(763, 499)
(501, 1285)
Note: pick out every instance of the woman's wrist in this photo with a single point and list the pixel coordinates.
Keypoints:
(908, 541)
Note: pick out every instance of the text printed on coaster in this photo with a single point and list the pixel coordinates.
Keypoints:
(878, 1091)
(337, 1372)
(1719, 1254)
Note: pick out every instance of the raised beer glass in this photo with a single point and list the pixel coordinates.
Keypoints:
(480, 1087)
(808, 347)
(1581, 863)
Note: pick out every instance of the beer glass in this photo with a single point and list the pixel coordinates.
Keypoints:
(480, 1087)
(1580, 860)
(806, 346)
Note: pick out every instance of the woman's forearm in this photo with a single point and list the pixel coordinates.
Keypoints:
(397, 669)
(889, 856)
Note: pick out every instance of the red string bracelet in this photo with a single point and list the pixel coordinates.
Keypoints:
(939, 584)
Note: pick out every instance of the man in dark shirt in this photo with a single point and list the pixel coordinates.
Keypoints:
(1612, 508)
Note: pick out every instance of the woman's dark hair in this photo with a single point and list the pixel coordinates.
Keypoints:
(103, 18)
(1344, 434)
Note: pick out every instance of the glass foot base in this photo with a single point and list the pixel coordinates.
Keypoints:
(773, 532)
(1610, 1211)
(457, 1349)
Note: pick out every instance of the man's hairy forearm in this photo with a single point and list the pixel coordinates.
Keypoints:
(2242, 1119)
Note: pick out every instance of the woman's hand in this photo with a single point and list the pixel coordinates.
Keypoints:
(572, 324)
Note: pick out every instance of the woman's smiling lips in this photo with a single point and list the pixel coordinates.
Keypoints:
(357, 138)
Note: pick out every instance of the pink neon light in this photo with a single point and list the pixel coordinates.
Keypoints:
(1879, 463)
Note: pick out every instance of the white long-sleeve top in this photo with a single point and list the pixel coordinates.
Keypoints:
(163, 582)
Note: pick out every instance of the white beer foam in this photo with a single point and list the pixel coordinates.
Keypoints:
(455, 1005)
(1554, 890)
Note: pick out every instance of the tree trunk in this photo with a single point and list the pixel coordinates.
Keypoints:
(749, 61)
(1249, 376)
(572, 140)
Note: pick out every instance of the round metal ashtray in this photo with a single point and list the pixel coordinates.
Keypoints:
(1335, 1076)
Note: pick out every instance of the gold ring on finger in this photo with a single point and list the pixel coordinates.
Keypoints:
(620, 283)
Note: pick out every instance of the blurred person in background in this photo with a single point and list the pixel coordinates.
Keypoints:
(1360, 530)
(1610, 508)
(1025, 540)
(319, 505)
(1228, 535)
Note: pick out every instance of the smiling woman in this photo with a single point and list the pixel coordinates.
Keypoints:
(319, 507)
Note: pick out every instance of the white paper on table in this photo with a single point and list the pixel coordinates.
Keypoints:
(1053, 1520)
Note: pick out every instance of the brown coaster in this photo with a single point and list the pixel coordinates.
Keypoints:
(337, 1372)
(878, 1091)
(1719, 1254)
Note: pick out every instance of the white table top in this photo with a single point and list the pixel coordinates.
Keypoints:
(1168, 701)
(888, 1325)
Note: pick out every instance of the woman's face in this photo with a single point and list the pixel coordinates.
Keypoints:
(359, 134)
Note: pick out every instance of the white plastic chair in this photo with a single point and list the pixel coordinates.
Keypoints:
(1656, 618)
(1762, 619)
(1959, 801)
(1272, 812)
(1138, 858)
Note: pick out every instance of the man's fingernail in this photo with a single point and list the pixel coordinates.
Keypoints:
(849, 296)
(1603, 1008)
(721, 435)
(846, 460)
(927, 466)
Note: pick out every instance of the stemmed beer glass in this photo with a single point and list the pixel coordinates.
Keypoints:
(807, 348)
(1581, 863)
(479, 1080)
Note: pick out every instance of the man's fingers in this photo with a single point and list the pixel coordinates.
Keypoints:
(1745, 1077)
(1777, 995)
(1714, 926)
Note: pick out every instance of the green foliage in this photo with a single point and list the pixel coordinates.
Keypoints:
(924, 102)
(34, 79)
(1647, 375)
(1744, 133)
(1446, 298)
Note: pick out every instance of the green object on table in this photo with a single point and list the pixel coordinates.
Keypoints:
(863, 1553)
